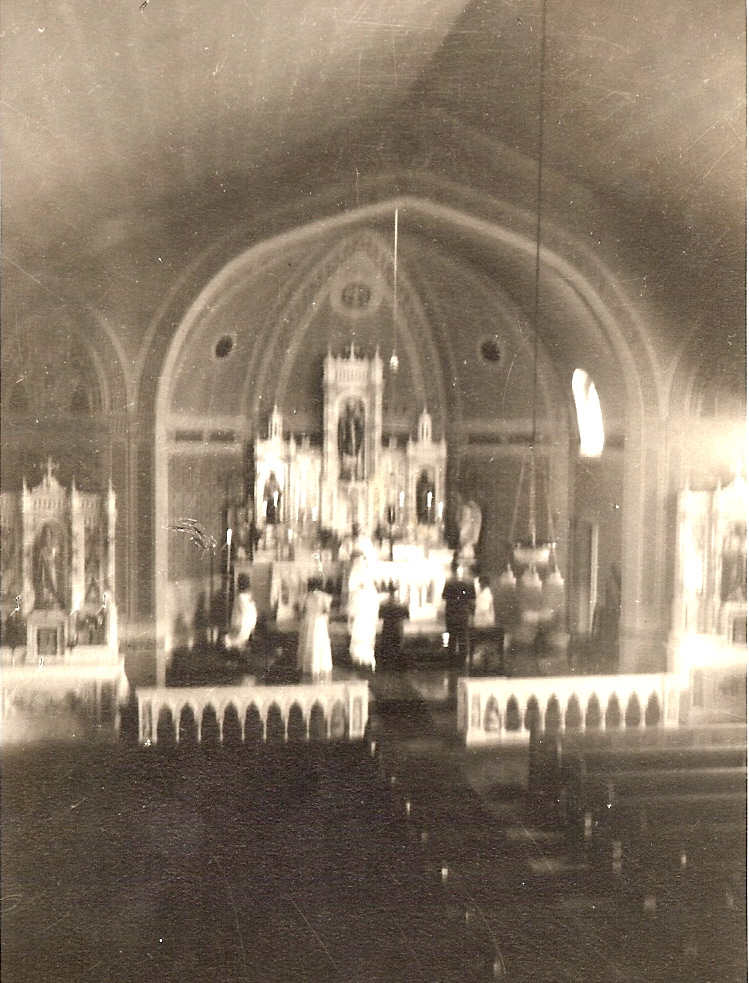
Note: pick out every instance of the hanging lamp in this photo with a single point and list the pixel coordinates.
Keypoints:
(531, 552)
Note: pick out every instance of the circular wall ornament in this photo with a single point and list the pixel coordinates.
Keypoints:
(224, 346)
(356, 289)
(356, 295)
(490, 350)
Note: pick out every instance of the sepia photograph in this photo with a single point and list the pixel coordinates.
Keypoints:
(373, 491)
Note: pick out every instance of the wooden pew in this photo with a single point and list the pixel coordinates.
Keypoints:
(647, 798)
(656, 821)
(556, 757)
(608, 789)
(665, 818)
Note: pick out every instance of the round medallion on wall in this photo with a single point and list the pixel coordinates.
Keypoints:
(356, 290)
(490, 350)
(356, 295)
(223, 347)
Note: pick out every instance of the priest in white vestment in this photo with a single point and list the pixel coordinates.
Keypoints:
(363, 612)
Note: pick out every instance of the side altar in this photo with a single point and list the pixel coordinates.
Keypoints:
(707, 645)
(59, 610)
(309, 498)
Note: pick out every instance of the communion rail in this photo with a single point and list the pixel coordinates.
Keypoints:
(98, 689)
(336, 711)
(501, 710)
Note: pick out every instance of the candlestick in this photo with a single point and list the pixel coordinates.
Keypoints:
(227, 613)
(210, 588)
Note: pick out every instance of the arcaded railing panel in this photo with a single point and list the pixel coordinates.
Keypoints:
(99, 689)
(499, 710)
(328, 711)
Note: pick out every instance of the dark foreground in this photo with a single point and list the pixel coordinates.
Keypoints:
(122, 865)
(303, 863)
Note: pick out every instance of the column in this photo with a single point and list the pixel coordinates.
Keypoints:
(644, 616)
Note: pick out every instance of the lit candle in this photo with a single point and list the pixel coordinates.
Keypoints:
(228, 574)
(314, 513)
(440, 506)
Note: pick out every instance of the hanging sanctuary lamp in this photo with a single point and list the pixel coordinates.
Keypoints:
(530, 552)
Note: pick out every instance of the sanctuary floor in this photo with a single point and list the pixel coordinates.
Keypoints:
(413, 859)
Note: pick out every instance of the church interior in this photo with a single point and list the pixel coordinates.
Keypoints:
(456, 289)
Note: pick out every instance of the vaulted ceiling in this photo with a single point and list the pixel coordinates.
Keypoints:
(137, 136)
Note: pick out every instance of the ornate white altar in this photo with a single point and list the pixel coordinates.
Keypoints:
(707, 646)
(352, 477)
(60, 647)
(418, 580)
(59, 569)
(308, 497)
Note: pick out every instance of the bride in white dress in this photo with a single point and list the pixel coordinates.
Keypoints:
(314, 657)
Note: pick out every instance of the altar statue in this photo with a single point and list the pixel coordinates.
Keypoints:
(92, 568)
(733, 573)
(48, 589)
(425, 499)
(351, 440)
(470, 529)
(272, 498)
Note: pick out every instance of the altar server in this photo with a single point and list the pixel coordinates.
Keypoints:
(243, 616)
(484, 616)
